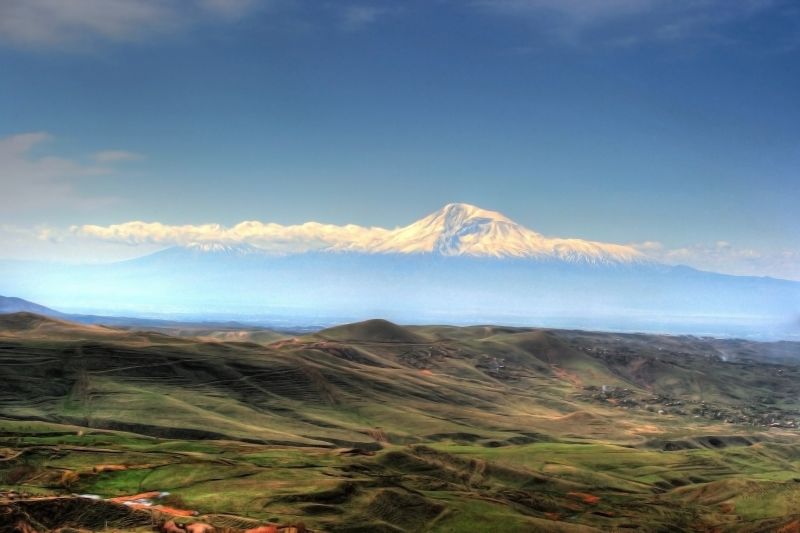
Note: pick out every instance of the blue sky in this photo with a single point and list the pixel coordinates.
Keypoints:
(673, 123)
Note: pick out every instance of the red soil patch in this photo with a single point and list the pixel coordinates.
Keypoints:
(585, 497)
(791, 527)
(130, 501)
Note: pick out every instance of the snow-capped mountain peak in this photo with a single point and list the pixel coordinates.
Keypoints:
(456, 229)
(457, 214)
(463, 229)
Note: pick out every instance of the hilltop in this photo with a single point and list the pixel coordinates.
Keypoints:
(375, 330)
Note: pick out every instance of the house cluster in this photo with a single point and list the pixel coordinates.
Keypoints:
(761, 412)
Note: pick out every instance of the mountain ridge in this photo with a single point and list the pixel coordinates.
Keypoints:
(12, 304)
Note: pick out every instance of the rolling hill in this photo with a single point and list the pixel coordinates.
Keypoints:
(352, 426)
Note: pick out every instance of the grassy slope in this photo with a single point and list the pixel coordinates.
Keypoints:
(472, 426)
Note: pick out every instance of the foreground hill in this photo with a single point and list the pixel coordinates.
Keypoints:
(379, 427)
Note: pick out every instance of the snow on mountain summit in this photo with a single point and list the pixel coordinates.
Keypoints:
(456, 229)
(463, 229)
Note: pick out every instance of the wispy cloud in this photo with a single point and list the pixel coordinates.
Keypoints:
(723, 256)
(631, 22)
(357, 17)
(29, 180)
(71, 24)
(47, 23)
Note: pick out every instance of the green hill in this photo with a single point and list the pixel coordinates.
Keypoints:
(390, 428)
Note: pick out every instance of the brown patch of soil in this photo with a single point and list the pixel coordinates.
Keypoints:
(585, 497)
(563, 375)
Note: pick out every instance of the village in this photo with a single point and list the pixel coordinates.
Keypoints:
(755, 413)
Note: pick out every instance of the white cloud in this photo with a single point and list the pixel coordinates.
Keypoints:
(270, 237)
(34, 181)
(47, 23)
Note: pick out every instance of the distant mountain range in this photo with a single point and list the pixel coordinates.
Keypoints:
(459, 265)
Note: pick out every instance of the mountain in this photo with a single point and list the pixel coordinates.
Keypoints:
(466, 230)
(459, 265)
(10, 304)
